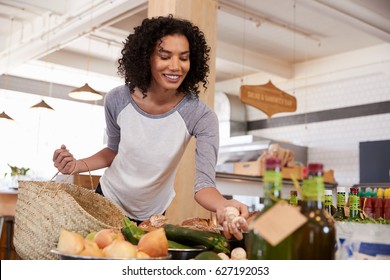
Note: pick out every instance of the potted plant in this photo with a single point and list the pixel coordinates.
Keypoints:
(16, 174)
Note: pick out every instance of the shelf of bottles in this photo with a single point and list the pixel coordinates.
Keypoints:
(233, 184)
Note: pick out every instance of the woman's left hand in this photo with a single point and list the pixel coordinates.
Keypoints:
(234, 223)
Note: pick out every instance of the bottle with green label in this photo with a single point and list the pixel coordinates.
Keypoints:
(340, 212)
(293, 198)
(316, 239)
(328, 205)
(256, 246)
(354, 205)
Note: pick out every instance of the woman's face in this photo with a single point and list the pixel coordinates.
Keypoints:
(170, 62)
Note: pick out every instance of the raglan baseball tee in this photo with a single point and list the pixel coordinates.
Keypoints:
(149, 147)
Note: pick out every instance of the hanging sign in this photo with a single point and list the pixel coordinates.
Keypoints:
(268, 98)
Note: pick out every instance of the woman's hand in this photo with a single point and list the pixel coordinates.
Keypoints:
(211, 199)
(64, 160)
(232, 216)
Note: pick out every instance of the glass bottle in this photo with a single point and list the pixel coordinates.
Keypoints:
(316, 239)
(293, 198)
(257, 247)
(328, 205)
(369, 203)
(386, 205)
(340, 212)
(354, 205)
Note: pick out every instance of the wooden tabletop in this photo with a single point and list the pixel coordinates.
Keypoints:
(8, 198)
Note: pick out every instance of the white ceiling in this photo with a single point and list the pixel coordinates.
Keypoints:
(254, 36)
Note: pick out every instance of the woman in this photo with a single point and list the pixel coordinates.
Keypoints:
(151, 119)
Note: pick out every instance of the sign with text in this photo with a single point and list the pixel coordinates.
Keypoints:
(268, 98)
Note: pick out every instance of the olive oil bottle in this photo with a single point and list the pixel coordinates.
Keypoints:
(340, 212)
(354, 205)
(329, 202)
(293, 198)
(257, 247)
(316, 239)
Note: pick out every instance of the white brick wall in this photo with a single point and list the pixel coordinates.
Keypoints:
(335, 143)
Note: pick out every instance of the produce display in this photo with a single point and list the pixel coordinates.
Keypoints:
(111, 244)
(153, 241)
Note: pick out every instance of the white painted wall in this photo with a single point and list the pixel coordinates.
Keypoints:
(355, 78)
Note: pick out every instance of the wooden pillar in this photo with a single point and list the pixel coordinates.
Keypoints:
(202, 13)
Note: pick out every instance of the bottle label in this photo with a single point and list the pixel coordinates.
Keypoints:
(284, 219)
(328, 200)
(273, 180)
(354, 203)
(313, 189)
(340, 199)
(294, 200)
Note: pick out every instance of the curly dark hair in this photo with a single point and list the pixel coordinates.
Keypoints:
(134, 65)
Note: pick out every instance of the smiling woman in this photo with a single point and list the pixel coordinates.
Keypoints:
(150, 121)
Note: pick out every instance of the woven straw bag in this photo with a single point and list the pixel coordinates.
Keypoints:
(43, 208)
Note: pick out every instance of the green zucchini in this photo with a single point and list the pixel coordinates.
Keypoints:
(212, 240)
(176, 245)
(131, 232)
(208, 255)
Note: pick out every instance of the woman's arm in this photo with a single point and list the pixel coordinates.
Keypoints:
(211, 199)
(66, 163)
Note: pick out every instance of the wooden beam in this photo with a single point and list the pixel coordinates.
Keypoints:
(202, 13)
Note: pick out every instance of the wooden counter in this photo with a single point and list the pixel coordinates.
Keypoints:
(8, 198)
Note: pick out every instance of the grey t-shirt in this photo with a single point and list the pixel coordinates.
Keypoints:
(141, 177)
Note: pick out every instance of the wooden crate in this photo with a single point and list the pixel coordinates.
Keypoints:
(298, 172)
(250, 168)
(256, 168)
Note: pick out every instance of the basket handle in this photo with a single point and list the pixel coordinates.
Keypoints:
(72, 173)
(89, 172)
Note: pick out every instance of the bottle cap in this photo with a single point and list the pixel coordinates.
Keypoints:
(293, 192)
(315, 168)
(379, 193)
(354, 191)
(328, 192)
(341, 189)
(387, 193)
(271, 163)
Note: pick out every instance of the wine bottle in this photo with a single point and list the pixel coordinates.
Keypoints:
(316, 239)
(257, 247)
(340, 212)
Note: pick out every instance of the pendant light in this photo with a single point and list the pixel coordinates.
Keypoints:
(5, 116)
(86, 93)
(42, 105)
